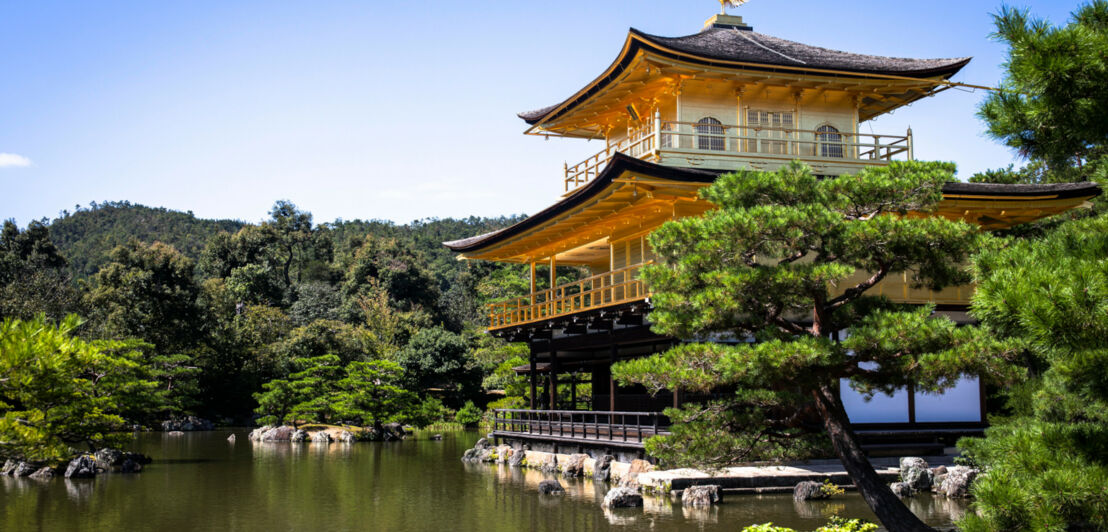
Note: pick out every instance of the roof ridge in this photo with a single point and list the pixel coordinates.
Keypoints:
(747, 37)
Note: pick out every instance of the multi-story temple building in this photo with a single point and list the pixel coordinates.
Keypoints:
(673, 113)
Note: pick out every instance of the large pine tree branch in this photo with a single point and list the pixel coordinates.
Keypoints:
(854, 292)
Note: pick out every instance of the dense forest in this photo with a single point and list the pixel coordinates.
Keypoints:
(228, 315)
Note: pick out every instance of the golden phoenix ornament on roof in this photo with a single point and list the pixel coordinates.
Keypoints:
(724, 4)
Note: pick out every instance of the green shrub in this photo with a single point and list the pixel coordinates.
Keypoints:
(469, 415)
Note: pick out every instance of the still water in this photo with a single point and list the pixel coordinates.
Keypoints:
(200, 481)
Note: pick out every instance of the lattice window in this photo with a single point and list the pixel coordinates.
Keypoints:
(709, 134)
(830, 141)
(770, 127)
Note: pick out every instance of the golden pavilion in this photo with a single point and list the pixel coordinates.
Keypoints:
(673, 113)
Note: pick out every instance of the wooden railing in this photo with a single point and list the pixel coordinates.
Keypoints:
(640, 142)
(606, 289)
(658, 135)
(627, 428)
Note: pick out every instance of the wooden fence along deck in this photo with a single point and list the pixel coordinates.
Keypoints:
(609, 288)
(618, 429)
(743, 141)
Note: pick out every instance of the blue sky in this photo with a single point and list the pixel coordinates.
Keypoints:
(390, 110)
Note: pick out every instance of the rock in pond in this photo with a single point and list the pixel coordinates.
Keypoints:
(116, 460)
(701, 496)
(901, 489)
(9, 466)
(548, 463)
(175, 433)
(44, 473)
(256, 434)
(394, 431)
(551, 487)
(83, 466)
(809, 490)
(347, 437)
(282, 433)
(482, 443)
(622, 497)
(472, 455)
(299, 436)
(517, 457)
(321, 437)
(603, 468)
(25, 469)
(575, 466)
(231, 438)
(436, 437)
(958, 481)
(637, 467)
(915, 472)
(187, 423)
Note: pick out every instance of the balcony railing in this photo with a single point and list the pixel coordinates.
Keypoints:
(606, 289)
(628, 429)
(749, 142)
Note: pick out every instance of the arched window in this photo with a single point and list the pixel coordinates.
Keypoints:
(830, 141)
(709, 134)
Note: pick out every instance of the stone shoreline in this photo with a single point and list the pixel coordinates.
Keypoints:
(817, 479)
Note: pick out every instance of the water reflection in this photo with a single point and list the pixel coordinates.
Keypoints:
(200, 481)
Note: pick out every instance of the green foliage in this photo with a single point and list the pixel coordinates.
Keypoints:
(263, 295)
(314, 386)
(148, 292)
(33, 278)
(396, 268)
(324, 391)
(276, 402)
(57, 391)
(87, 235)
(1046, 465)
(438, 359)
(829, 489)
(429, 412)
(1053, 105)
(837, 524)
(323, 337)
(767, 527)
(469, 415)
(783, 245)
(371, 392)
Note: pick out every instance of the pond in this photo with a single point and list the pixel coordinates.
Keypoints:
(200, 481)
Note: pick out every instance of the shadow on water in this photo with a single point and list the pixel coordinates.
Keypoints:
(200, 481)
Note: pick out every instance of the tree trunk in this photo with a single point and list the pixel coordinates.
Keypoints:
(889, 509)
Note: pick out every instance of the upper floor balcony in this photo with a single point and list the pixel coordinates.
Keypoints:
(765, 143)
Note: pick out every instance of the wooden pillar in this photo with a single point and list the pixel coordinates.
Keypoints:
(573, 391)
(533, 374)
(911, 389)
(532, 282)
(553, 379)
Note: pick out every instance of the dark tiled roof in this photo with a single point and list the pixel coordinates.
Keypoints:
(1062, 190)
(621, 163)
(729, 44)
(719, 44)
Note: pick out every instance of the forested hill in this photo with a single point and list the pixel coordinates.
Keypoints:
(85, 236)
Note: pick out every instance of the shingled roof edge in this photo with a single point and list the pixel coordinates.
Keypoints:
(621, 163)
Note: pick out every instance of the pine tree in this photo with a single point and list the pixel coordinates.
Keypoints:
(776, 264)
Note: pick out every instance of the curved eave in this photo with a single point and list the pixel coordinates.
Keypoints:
(993, 206)
(619, 165)
(638, 41)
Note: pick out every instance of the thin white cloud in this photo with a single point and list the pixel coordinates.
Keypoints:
(11, 160)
